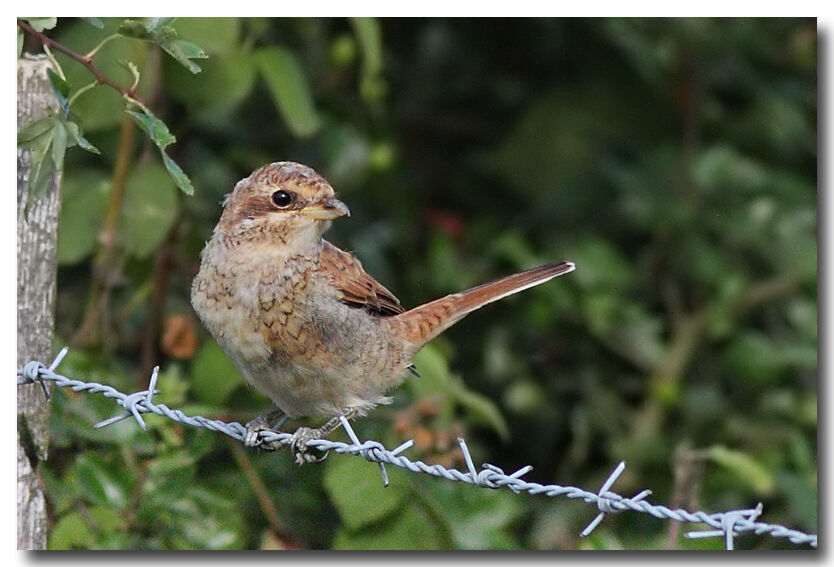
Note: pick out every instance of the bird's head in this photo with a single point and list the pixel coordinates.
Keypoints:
(284, 199)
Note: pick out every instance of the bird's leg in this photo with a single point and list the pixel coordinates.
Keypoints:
(298, 443)
(261, 423)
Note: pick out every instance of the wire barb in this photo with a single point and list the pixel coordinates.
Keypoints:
(606, 499)
(728, 524)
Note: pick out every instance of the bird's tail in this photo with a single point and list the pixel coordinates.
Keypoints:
(424, 323)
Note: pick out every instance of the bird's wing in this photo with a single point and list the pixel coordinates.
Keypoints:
(358, 289)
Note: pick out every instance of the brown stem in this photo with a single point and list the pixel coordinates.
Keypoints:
(688, 467)
(83, 59)
(261, 495)
(161, 277)
(89, 332)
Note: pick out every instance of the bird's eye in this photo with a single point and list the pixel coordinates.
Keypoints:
(282, 199)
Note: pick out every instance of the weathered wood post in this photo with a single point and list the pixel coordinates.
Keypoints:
(36, 289)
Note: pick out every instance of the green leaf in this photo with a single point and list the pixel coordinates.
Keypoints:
(83, 204)
(74, 132)
(184, 51)
(480, 408)
(178, 175)
(434, 379)
(42, 164)
(213, 375)
(61, 88)
(355, 488)
(135, 28)
(170, 477)
(368, 32)
(41, 24)
(289, 89)
(100, 108)
(158, 132)
(27, 135)
(150, 206)
(71, 532)
(410, 528)
(100, 482)
(744, 466)
(370, 40)
(155, 128)
(155, 24)
(476, 519)
(158, 31)
(95, 22)
(59, 144)
(217, 36)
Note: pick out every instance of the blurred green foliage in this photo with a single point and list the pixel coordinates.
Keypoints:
(674, 161)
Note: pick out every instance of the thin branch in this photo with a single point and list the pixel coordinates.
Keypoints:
(85, 60)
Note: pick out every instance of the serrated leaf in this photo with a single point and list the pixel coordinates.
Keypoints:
(83, 204)
(134, 28)
(74, 132)
(289, 89)
(41, 24)
(157, 30)
(158, 132)
(61, 88)
(184, 51)
(42, 165)
(59, 144)
(155, 128)
(177, 174)
(38, 181)
(27, 134)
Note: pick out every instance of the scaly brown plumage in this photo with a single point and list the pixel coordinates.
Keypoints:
(301, 319)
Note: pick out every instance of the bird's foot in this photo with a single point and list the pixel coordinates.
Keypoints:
(299, 448)
(264, 422)
(298, 443)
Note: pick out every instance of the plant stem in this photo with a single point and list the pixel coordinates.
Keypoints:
(89, 331)
(261, 494)
(85, 60)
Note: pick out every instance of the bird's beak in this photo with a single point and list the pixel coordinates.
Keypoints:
(331, 208)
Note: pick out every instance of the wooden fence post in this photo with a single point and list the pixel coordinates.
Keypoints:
(36, 289)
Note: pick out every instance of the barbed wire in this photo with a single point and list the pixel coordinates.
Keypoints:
(724, 524)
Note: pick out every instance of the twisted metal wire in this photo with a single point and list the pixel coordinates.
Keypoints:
(724, 524)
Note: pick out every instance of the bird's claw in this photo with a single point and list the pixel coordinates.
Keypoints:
(252, 436)
(299, 448)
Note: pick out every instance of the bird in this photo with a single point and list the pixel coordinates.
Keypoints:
(301, 319)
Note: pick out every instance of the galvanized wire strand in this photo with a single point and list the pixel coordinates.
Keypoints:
(723, 524)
